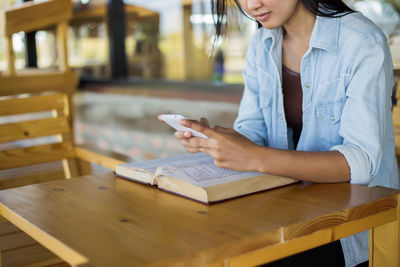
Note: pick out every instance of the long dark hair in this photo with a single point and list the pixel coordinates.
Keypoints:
(322, 8)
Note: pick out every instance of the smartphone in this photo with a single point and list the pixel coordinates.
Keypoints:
(173, 121)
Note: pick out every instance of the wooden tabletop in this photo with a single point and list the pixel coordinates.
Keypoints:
(101, 220)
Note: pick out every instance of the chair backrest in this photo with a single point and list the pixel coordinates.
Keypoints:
(34, 129)
(35, 105)
(32, 16)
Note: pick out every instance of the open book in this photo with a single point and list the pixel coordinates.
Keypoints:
(195, 176)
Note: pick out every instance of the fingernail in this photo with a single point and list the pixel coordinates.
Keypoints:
(187, 134)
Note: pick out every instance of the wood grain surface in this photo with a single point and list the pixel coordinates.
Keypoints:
(106, 221)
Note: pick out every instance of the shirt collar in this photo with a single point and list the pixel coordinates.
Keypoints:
(325, 34)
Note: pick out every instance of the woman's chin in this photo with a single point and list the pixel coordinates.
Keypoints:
(270, 25)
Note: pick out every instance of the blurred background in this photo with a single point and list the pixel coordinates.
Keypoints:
(139, 58)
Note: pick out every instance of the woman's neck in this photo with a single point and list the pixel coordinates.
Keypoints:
(300, 25)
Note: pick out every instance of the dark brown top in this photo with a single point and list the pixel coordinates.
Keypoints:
(292, 101)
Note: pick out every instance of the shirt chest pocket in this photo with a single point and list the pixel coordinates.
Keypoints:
(330, 100)
(330, 111)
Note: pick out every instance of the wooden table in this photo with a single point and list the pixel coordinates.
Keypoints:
(106, 221)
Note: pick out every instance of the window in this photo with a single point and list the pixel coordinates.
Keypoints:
(165, 39)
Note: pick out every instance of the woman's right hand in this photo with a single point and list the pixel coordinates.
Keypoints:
(184, 136)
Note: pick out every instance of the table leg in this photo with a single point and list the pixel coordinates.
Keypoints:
(384, 244)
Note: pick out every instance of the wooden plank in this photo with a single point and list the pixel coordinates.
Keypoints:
(198, 234)
(398, 88)
(385, 247)
(84, 167)
(308, 241)
(35, 178)
(39, 82)
(19, 157)
(39, 252)
(108, 153)
(10, 56)
(96, 158)
(385, 243)
(52, 262)
(31, 174)
(34, 16)
(7, 228)
(397, 144)
(29, 255)
(31, 169)
(70, 167)
(34, 128)
(14, 106)
(15, 241)
(62, 46)
(396, 116)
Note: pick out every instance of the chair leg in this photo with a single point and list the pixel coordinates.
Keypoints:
(84, 167)
(10, 55)
(384, 244)
(70, 168)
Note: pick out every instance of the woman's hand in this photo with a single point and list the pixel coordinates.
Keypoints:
(229, 148)
(233, 151)
(184, 137)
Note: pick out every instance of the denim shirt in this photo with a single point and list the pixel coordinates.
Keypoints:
(347, 81)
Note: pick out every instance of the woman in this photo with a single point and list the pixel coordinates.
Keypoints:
(316, 105)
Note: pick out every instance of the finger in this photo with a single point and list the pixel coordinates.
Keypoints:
(204, 122)
(187, 134)
(197, 126)
(179, 135)
(185, 142)
(159, 117)
(192, 150)
(194, 142)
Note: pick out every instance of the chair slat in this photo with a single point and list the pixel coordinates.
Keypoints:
(35, 255)
(15, 106)
(38, 82)
(19, 157)
(15, 240)
(34, 16)
(7, 227)
(33, 178)
(34, 128)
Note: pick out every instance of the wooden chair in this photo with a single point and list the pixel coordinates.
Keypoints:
(52, 123)
(32, 91)
(36, 124)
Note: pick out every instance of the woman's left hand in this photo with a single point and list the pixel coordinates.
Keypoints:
(229, 148)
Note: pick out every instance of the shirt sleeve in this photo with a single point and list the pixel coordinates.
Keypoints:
(250, 121)
(368, 109)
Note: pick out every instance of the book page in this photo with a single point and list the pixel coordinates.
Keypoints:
(199, 169)
(152, 165)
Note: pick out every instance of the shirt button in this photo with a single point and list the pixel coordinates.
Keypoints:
(305, 125)
(307, 85)
(281, 117)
